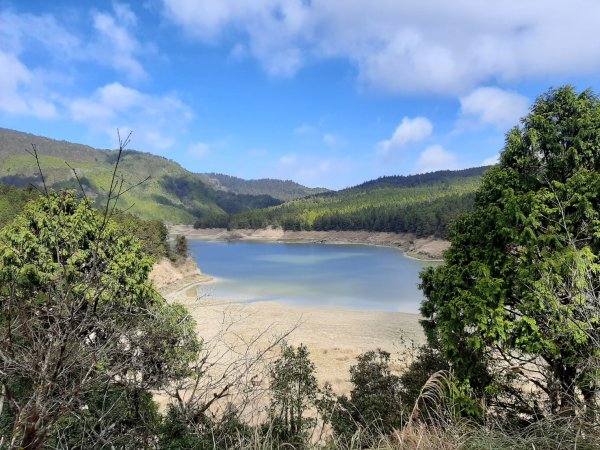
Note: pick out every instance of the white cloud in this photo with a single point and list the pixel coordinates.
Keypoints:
(125, 15)
(116, 46)
(160, 142)
(30, 90)
(428, 46)
(111, 43)
(494, 106)
(304, 129)
(155, 119)
(288, 160)
(273, 26)
(312, 170)
(491, 160)
(18, 94)
(436, 157)
(408, 131)
(19, 32)
(198, 150)
(333, 140)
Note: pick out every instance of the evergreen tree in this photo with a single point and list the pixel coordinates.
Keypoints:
(516, 306)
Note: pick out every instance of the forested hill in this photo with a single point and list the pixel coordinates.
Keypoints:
(172, 193)
(424, 204)
(405, 181)
(283, 190)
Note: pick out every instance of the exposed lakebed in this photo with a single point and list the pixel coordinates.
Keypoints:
(357, 277)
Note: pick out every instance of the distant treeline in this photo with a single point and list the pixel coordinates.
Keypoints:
(423, 204)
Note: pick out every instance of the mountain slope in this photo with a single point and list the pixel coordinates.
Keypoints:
(172, 193)
(283, 190)
(407, 181)
(423, 204)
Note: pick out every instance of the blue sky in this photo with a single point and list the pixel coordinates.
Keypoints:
(327, 93)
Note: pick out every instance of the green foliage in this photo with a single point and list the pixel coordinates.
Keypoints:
(516, 303)
(375, 406)
(407, 181)
(293, 392)
(181, 246)
(194, 193)
(113, 416)
(152, 234)
(427, 362)
(222, 433)
(12, 202)
(78, 313)
(421, 204)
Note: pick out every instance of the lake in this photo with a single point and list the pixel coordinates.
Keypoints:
(357, 277)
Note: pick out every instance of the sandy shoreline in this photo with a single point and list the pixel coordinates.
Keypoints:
(421, 248)
(334, 337)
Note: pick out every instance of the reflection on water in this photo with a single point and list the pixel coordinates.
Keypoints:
(343, 276)
(306, 259)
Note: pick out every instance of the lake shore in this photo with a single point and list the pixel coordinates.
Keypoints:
(430, 249)
(334, 337)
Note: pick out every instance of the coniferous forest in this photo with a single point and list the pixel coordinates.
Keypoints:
(423, 204)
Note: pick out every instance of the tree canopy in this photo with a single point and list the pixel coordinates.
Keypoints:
(516, 306)
(78, 313)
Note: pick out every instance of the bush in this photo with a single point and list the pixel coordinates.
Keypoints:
(181, 246)
(375, 406)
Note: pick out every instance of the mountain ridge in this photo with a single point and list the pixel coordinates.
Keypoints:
(280, 189)
(172, 193)
(424, 204)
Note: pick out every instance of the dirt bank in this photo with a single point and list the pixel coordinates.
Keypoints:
(424, 248)
(169, 276)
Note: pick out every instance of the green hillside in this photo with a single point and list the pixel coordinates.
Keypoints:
(423, 204)
(283, 190)
(171, 193)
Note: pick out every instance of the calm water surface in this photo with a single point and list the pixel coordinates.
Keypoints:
(356, 277)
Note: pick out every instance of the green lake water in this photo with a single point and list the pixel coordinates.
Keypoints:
(357, 277)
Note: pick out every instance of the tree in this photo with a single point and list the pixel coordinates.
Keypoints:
(294, 390)
(181, 246)
(516, 306)
(79, 314)
(375, 406)
(152, 234)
